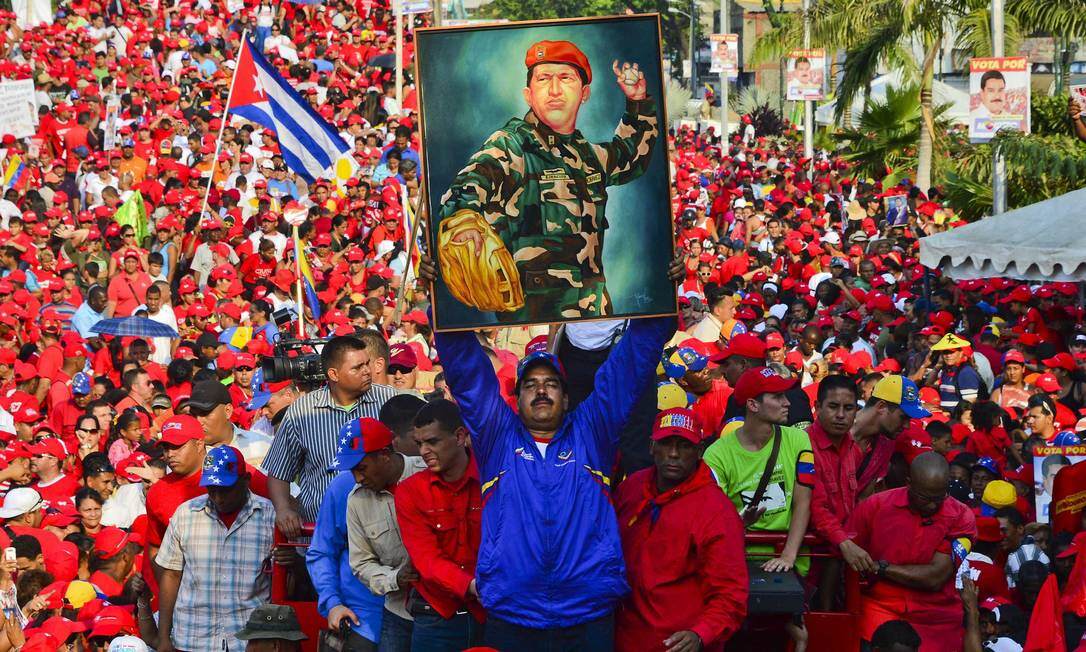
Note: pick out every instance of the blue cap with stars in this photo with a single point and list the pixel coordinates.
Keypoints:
(222, 467)
(358, 437)
(81, 384)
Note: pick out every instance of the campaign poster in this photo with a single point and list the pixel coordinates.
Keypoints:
(18, 108)
(998, 96)
(724, 56)
(1047, 462)
(545, 169)
(805, 72)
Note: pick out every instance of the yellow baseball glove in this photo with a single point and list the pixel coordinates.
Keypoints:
(487, 279)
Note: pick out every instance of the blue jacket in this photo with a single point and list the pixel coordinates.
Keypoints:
(550, 555)
(328, 561)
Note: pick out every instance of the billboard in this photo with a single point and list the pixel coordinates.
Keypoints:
(998, 96)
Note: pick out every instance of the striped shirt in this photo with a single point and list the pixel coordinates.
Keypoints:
(305, 442)
(222, 578)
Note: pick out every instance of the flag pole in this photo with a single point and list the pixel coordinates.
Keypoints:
(298, 285)
(420, 209)
(222, 124)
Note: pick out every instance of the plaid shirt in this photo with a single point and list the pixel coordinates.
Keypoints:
(222, 578)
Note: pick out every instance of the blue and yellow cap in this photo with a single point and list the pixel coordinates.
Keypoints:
(902, 391)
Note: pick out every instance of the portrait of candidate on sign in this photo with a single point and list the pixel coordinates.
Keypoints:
(546, 171)
(998, 96)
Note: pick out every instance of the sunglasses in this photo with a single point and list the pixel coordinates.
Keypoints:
(397, 369)
(244, 368)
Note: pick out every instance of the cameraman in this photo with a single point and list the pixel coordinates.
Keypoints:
(305, 442)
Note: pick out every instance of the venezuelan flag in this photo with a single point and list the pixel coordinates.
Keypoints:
(961, 548)
(805, 469)
(13, 171)
(308, 285)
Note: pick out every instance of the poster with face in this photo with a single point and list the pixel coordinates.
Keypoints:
(805, 70)
(725, 54)
(998, 96)
(1047, 462)
(546, 171)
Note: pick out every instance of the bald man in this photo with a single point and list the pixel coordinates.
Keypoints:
(919, 536)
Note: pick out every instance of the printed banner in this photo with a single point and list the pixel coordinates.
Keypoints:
(1047, 462)
(18, 108)
(998, 96)
(806, 69)
(724, 54)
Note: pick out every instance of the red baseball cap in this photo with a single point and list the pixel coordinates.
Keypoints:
(774, 341)
(760, 380)
(50, 446)
(1014, 356)
(244, 359)
(677, 422)
(111, 541)
(1046, 382)
(1060, 361)
(747, 345)
(181, 429)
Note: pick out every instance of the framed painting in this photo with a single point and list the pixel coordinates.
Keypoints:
(546, 171)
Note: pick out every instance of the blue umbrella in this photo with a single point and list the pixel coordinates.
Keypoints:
(133, 326)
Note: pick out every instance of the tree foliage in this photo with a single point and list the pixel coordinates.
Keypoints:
(674, 27)
(882, 143)
(1041, 165)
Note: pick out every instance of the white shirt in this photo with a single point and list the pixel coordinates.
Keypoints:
(166, 316)
(594, 335)
(127, 503)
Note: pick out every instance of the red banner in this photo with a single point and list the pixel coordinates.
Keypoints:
(1068, 498)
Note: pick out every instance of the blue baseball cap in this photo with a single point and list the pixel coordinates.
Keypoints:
(81, 384)
(222, 467)
(682, 360)
(358, 437)
(902, 391)
(537, 357)
(988, 464)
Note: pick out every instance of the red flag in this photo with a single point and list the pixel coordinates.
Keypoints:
(1046, 624)
(1074, 596)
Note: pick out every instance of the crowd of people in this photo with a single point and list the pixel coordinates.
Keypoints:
(824, 409)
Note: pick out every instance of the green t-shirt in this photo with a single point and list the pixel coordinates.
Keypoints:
(739, 470)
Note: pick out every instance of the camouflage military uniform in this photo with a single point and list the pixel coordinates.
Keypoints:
(545, 194)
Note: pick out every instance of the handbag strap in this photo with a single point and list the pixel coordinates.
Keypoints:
(767, 472)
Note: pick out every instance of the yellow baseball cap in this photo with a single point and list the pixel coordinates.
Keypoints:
(903, 392)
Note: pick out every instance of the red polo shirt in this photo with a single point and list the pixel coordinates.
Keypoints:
(441, 526)
(836, 487)
(887, 529)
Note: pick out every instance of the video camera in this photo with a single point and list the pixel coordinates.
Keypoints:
(305, 369)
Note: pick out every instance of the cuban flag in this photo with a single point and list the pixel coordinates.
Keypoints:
(311, 147)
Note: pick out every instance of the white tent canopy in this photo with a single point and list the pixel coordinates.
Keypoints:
(1045, 241)
(941, 93)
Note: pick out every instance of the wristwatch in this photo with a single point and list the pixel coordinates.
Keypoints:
(883, 565)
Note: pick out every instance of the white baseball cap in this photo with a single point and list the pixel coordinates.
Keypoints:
(20, 501)
(128, 644)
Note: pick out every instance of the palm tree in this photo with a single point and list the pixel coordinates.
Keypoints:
(883, 143)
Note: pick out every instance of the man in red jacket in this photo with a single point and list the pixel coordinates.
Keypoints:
(683, 544)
